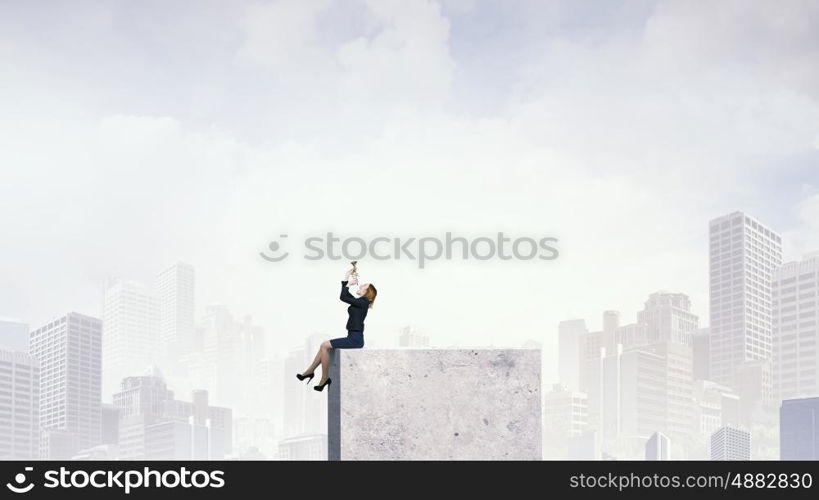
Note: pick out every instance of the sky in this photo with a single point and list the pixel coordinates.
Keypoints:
(133, 135)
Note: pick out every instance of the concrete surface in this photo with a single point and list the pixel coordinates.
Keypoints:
(434, 404)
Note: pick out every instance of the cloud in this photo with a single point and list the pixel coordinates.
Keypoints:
(282, 35)
(407, 61)
(772, 43)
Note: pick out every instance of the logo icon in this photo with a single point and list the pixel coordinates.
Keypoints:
(20, 478)
(274, 247)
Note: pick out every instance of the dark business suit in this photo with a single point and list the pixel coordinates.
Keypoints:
(355, 322)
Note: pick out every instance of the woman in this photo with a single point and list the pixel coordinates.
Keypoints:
(357, 311)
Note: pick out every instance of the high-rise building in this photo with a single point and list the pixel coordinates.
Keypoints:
(256, 435)
(19, 406)
(130, 332)
(570, 334)
(565, 412)
(231, 354)
(155, 426)
(668, 317)
(294, 395)
(109, 425)
(658, 447)
(679, 422)
(315, 409)
(611, 322)
(638, 377)
(796, 329)
(701, 345)
(731, 443)
(69, 352)
(141, 403)
(635, 398)
(715, 406)
(799, 429)
(13, 335)
(175, 287)
(743, 254)
(586, 446)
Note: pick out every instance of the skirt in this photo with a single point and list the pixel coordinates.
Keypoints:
(353, 340)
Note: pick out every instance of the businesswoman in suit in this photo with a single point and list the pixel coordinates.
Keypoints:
(357, 311)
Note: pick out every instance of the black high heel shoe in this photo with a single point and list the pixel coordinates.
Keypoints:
(305, 377)
(321, 387)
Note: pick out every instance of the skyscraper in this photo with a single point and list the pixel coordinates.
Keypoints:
(795, 329)
(130, 332)
(155, 426)
(294, 395)
(799, 429)
(743, 254)
(69, 352)
(565, 412)
(175, 287)
(19, 406)
(701, 347)
(635, 399)
(679, 409)
(231, 354)
(570, 334)
(668, 317)
(731, 443)
(658, 447)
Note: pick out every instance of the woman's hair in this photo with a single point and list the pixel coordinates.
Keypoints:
(371, 293)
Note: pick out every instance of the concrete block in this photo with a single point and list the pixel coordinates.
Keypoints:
(435, 404)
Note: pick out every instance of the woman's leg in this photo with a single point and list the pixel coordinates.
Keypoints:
(324, 351)
(315, 362)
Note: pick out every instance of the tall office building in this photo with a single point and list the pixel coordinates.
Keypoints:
(130, 332)
(608, 337)
(315, 409)
(799, 429)
(668, 317)
(565, 412)
(635, 397)
(701, 347)
(731, 443)
(175, 288)
(743, 254)
(231, 354)
(795, 329)
(294, 395)
(13, 335)
(155, 426)
(679, 408)
(715, 406)
(19, 406)
(69, 352)
(570, 334)
(658, 447)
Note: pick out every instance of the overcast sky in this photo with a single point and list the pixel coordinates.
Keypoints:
(135, 134)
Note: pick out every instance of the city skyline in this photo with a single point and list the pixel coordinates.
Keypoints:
(149, 153)
(662, 341)
(599, 130)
